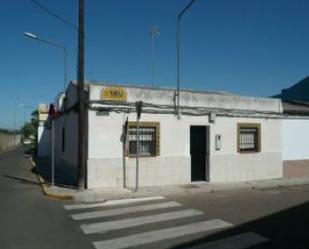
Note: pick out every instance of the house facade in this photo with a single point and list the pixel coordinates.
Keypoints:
(295, 142)
(218, 137)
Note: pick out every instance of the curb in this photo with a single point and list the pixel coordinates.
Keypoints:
(45, 188)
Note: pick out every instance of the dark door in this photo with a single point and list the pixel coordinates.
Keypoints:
(199, 153)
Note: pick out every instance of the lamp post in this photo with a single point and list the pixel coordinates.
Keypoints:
(153, 31)
(25, 106)
(37, 38)
(178, 52)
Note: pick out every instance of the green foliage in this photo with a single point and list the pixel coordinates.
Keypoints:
(35, 118)
(28, 130)
(5, 131)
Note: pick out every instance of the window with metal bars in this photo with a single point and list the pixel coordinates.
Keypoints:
(249, 137)
(148, 139)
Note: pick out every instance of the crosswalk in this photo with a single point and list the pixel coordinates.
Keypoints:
(136, 218)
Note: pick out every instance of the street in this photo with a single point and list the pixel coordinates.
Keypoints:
(28, 219)
(273, 218)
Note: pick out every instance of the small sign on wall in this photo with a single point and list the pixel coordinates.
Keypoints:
(114, 93)
(102, 113)
(218, 141)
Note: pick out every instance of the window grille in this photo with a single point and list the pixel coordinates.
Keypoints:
(248, 137)
(148, 139)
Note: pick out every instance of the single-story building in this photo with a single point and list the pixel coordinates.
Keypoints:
(43, 133)
(295, 125)
(295, 143)
(218, 136)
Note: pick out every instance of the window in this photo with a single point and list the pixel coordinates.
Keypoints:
(249, 138)
(148, 137)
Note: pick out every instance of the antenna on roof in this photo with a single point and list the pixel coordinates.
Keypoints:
(153, 31)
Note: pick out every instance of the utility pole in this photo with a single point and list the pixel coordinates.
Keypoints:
(81, 99)
(154, 30)
(14, 118)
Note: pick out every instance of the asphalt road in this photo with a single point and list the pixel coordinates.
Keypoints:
(28, 219)
(256, 219)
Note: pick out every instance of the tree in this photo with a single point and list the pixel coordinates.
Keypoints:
(35, 118)
(28, 130)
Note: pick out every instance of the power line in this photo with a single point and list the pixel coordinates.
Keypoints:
(44, 8)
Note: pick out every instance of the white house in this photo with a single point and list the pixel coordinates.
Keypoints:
(295, 142)
(43, 134)
(218, 137)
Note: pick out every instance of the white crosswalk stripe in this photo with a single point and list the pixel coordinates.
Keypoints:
(126, 210)
(142, 216)
(112, 203)
(162, 234)
(101, 227)
(240, 241)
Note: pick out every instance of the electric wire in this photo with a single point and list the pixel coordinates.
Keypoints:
(52, 13)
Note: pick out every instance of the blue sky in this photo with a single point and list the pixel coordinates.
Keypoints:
(253, 48)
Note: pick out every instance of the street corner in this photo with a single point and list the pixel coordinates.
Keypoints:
(53, 192)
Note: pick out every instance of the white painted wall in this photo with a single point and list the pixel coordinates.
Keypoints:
(295, 141)
(195, 99)
(66, 160)
(228, 165)
(105, 153)
(44, 147)
(173, 166)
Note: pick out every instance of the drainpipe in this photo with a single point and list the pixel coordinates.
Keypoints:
(53, 153)
(124, 140)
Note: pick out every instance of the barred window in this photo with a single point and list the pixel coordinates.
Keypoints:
(249, 137)
(148, 137)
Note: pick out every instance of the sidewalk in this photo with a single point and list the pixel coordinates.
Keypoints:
(104, 194)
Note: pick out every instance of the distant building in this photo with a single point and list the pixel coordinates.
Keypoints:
(295, 142)
(295, 126)
(297, 92)
(220, 137)
(44, 146)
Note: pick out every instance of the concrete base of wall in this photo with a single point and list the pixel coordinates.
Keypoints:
(108, 172)
(296, 168)
(245, 167)
(176, 170)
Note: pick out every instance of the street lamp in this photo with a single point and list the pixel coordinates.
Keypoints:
(153, 31)
(178, 53)
(25, 106)
(36, 37)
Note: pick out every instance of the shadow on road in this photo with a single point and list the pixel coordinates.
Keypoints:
(21, 180)
(285, 229)
(63, 177)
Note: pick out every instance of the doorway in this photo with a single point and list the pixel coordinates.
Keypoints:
(199, 151)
